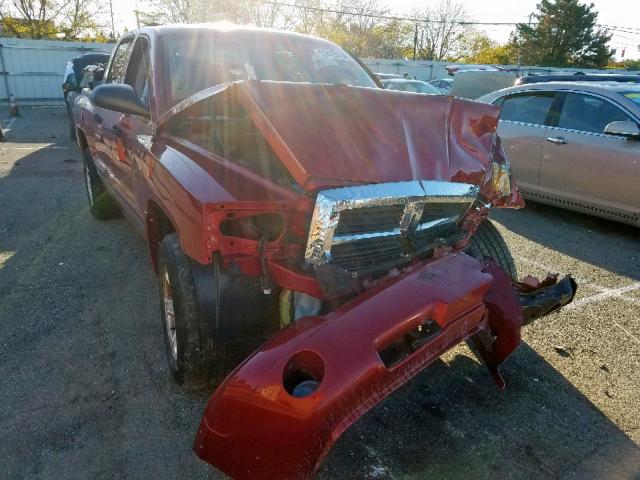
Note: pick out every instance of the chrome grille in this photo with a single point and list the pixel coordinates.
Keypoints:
(368, 228)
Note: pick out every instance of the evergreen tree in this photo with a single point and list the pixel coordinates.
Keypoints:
(563, 33)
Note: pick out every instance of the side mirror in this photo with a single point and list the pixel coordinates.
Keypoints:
(624, 128)
(119, 98)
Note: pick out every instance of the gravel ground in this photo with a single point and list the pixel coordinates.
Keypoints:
(85, 392)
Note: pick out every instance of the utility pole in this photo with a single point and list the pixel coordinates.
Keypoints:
(137, 19)
(113, 29)
(415, 42)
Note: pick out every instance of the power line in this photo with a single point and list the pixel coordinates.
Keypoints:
(630, 30)
(382, 16)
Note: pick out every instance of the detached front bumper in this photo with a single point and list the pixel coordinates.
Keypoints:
(254, 427)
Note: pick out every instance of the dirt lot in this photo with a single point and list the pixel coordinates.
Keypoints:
(85, 393)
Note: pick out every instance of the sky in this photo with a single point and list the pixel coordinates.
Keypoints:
(621, 13)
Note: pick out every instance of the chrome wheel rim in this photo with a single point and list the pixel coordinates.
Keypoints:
(87, 179)
(169, 315)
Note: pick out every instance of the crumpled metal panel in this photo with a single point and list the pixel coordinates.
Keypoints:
(253, 428)
(330, 203)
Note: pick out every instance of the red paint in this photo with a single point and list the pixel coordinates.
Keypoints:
(254, 429)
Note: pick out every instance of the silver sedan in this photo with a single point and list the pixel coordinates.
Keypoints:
(575, 144)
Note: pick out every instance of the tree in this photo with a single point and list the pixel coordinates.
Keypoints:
(632, 64)
(168, 11)
(441, 36)
(479, 48)
(564, 35)
(359, 31)
(61, 19)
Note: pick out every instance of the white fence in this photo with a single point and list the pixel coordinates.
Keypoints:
(33, 70)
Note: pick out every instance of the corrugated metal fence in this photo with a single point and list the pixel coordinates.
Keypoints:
(33, 70)
(425, 70)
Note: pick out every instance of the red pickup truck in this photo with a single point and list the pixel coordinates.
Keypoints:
(294, 209)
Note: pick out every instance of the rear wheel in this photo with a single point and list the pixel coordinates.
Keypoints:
(487, 242)
(101, 203)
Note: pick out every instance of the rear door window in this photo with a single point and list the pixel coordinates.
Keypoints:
(138, 71)
(587, 113)
(532, 108)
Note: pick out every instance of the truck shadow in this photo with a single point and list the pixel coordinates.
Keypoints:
(452, 422)
(578, 235)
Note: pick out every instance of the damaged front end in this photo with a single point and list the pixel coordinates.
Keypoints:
(277, 415)
(376, 248)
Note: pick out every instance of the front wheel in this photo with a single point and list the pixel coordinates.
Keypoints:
(195, 357)
(488, 242)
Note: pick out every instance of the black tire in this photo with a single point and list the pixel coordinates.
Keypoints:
(198, 359)
(488, 243)
(72, 127)
(101, 203)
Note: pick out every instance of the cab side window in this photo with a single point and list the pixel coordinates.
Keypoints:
(138, 70)
(532, 108)
(119, 61)
(588, 114)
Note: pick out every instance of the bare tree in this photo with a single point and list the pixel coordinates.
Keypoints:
(442, 33)
(67, 19)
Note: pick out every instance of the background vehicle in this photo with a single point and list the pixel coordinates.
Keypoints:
(575, 144)
(578, 77)
(387, 76)
(416, 86)
(475, 83)
(443, 84)
(72, 81)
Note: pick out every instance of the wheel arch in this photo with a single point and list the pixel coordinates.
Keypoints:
(82, 140)
(158, 225)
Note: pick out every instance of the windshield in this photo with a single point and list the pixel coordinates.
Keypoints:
(633, 96)
(198, 61)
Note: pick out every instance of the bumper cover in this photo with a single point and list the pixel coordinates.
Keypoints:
(255, 428)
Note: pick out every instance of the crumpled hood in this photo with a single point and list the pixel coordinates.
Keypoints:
(337, 134)
(332, 135)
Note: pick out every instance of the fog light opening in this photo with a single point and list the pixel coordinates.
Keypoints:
(303, 374)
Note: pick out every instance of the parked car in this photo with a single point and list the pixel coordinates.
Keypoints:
(473, 84)
(72, 77)
(387, 76)
(443, 84)
(575, 144)
(579, 77)
(416, 86)
(283, 195)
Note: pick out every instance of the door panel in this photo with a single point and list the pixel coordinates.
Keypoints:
(522, 130)
(104, 120)
(592, 169)
(582, 165)
(523, 146)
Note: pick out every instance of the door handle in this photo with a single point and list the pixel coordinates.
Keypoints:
(557, 140)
